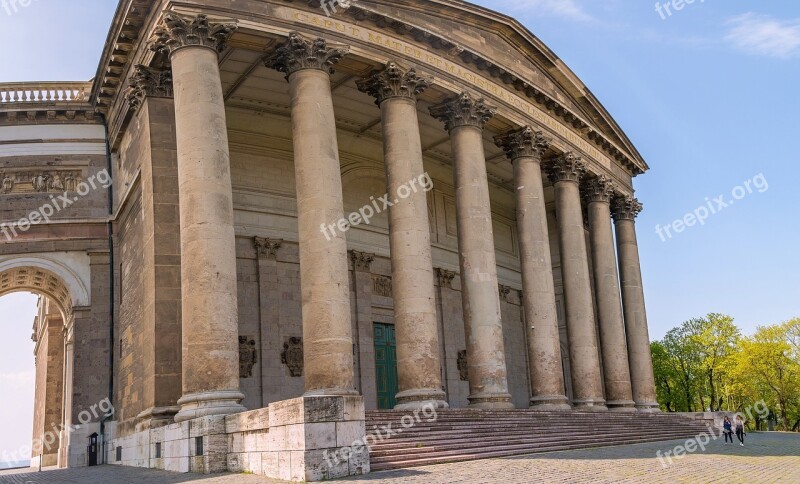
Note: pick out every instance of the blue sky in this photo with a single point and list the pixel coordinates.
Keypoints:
(707, 94)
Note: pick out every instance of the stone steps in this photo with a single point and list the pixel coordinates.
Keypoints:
(458, 435)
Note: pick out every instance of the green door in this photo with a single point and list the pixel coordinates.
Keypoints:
(386, 365)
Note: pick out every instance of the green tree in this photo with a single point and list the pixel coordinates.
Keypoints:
(716, 339)
(685, 361)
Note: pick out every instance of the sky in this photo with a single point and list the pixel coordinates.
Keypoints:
(707, 94)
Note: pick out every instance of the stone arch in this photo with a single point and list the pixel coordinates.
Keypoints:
(63, 277)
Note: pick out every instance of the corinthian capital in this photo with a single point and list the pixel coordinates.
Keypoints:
(566, 167)
(148, 82)
(176, 31)
(523, 142)
(463, 110)
(598, 189)
(394, 81)
(298, 53)
(625, 207)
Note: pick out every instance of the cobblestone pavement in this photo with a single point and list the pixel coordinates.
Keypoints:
(767, 458)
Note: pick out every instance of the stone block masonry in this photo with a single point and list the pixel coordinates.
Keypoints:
(287, 440)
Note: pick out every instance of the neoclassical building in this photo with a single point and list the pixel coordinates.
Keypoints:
(316, 210)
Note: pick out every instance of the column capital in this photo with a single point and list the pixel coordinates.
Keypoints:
(598, 189)
(523, 142)
(463, 110)
(148, 82)
(625, 207)
(267, 248)
(567, 167)
(177, 31)
(444, 278)
(394, 81)
(299, 53)
(361, 260)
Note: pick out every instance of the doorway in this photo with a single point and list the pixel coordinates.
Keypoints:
(385, 365)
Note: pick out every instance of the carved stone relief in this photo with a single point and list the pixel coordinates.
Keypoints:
(463, 370)
(40, 182)
(248, 355)
(292, 356)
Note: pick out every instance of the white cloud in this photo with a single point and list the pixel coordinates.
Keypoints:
(558, 8)
(763, 35)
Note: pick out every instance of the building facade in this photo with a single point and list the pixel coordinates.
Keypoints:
(293, 207)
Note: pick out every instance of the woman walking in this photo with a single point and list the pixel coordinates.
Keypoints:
(727, 429)
(740, 430)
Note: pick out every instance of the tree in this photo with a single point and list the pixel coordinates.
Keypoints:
(684, 360)
(716, 338)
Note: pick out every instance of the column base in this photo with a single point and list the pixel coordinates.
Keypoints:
(651, 407)
(590, 405)
(203, 404)
(548, 403)
(490, 401)
(621, 406)
(155, 417)
(331, 392)
(421, 398)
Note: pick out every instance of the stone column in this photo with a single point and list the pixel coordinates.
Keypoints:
(324, 278)
(465, 118)
(525, 148)
(625, 210)
(418, 359)
(210, 325)
(598, 193)
(566, 172)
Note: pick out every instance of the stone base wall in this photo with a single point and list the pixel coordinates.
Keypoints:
(304, 439)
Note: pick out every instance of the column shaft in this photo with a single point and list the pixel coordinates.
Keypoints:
(584, 357)
(418, 363)
(208, 249)
(525, 148)
(641, 363)
(327, 332)
(418, 352)
(609, 308)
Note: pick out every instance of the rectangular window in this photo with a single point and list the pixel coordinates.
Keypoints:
(158, 450)
(198, 446)
(119, 453)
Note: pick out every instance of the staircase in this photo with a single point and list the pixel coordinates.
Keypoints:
(459, 435)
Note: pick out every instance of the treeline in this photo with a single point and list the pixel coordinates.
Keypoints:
(706, 364)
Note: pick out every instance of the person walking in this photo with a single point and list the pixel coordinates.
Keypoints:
(740, 429)
(727, 429)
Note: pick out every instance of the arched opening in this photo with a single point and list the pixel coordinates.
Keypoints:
(51, 375)
(17, 378)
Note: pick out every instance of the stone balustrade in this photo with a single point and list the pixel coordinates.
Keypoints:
(44, 92)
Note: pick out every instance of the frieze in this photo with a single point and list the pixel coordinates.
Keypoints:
(51, 181)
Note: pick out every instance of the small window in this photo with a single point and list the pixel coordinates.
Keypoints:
(119, 453)
(198, 445)
(158, 450)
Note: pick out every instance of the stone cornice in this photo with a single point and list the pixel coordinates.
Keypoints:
(394, 81)
(176, 31)
(566, 167)
(625, 207)
(148, 82)
(523, 142)
(299, 53)
(598, 189)
(463, 110)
